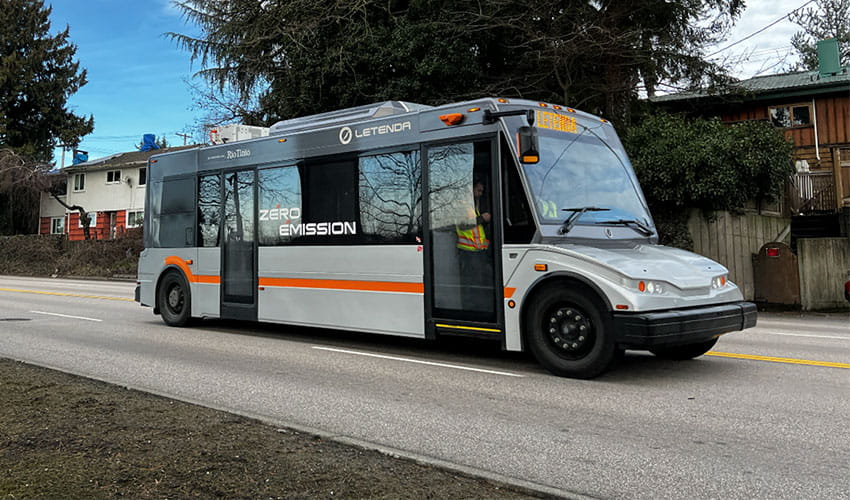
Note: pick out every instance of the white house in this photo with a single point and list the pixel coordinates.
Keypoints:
(111, 189)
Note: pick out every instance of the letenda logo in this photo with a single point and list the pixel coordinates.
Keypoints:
(345, 135)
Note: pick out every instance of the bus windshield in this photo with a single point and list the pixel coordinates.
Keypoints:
(587, 169)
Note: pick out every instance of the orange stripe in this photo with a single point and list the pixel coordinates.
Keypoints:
(177, 261)
(509, 292)
(369, 286)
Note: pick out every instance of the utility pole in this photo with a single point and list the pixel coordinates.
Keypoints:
(184, 136)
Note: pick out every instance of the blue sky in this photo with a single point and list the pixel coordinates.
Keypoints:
(137, 75)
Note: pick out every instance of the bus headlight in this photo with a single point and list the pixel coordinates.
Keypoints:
(719, 282)
(653, 287)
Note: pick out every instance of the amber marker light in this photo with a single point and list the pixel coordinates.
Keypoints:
(541, 267)
(281, 140)
(571, 110)
(154, 161)
(511, 304)
(543, 104)
(557, 107)
(603, 120)
(723, 281)
(452, 118)
(621, 307)
(473, 110)
(530, 159)
(642, 286)
(503, 101)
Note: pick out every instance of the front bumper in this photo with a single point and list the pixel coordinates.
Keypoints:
(682, 326)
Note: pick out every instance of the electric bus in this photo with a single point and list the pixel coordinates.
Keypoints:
(363, 219)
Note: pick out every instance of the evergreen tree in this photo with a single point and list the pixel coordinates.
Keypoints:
(38, 74)
(305, 57)
(827, 19)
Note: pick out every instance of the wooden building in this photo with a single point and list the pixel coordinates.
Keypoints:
(813, 109)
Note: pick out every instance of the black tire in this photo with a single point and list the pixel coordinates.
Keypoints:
(683, 352)
(174, 299)
(569, 333)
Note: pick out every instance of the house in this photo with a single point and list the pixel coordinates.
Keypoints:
(111, 190)
(813, 109)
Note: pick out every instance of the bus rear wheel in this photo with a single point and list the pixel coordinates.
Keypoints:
(174, 299)
(683, 352)
(569, 335)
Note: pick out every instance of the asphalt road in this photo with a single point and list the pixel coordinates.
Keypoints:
(765, 415)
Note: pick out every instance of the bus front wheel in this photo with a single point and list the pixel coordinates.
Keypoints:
(174, 299)
(568, 334)
(683, 352)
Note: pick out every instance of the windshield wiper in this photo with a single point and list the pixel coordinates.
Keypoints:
(574, 216)
(632, 223)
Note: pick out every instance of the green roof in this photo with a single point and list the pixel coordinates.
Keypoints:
(786, 84)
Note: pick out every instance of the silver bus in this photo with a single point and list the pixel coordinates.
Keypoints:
(504, 219)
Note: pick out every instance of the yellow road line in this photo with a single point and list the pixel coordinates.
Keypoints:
(772, 359)
(102, 297)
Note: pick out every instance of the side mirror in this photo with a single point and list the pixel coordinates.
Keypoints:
(527, 145)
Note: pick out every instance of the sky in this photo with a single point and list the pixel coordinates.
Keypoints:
(137, 76)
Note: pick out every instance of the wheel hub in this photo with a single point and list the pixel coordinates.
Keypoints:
(175, 298)
(569, 329)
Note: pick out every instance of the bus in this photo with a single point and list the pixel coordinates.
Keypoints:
(503, 219)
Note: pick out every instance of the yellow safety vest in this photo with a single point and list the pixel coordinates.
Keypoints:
(472, 239)
(548, 209)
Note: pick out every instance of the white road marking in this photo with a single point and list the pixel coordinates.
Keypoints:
(66, 316)
(418, 361)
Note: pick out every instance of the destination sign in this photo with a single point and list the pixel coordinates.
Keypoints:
(555, 121)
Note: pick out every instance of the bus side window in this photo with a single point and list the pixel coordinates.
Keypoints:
(279, 194)
(209, 210)
(390, 197)
(176, 214)
(518, 223)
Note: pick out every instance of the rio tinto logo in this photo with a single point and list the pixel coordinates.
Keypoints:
(346, 134)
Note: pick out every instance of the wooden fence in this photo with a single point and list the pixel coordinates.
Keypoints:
(733, 239)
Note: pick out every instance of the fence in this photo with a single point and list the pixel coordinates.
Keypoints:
(733, 239)
(812, 191)
(824, 263)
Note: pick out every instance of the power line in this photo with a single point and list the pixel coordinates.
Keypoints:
(759, 31)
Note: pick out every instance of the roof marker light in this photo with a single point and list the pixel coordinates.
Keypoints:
(452, 118)
(543, 104)
(281, 140)
(473, 110)
(501, 100)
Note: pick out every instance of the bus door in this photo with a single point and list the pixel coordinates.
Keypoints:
(463, 240)
(239, 252)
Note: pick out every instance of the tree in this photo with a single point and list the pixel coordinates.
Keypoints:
(827, 19)
(38, 74)
(304, 57)
(705, 164)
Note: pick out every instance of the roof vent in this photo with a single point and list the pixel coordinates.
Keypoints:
(349, 115)
(829, 62)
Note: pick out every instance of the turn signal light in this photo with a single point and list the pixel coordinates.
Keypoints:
(541, 267)
(452, 118)
(530, 159)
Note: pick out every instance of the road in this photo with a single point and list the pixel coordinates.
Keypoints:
(764, 415)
